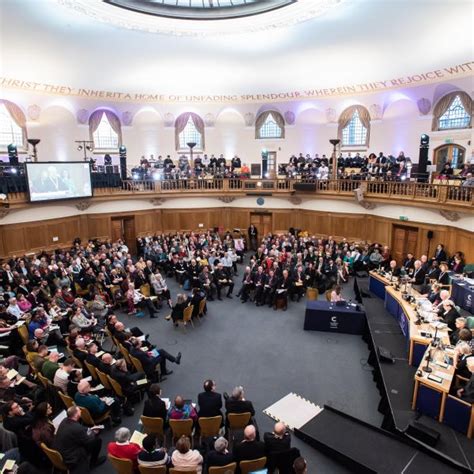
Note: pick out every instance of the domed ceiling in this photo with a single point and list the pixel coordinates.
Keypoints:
(250, 47)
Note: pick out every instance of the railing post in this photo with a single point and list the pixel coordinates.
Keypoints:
(225, 185)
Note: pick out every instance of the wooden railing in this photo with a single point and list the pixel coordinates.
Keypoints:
(419, 193)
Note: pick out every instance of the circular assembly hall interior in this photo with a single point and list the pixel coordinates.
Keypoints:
(236, 236)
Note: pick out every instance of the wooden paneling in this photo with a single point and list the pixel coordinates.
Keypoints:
(17, 239)
(99, 226)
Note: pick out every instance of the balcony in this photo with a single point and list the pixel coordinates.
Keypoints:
(441, 196)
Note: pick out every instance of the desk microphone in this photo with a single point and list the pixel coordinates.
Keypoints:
(427, 367)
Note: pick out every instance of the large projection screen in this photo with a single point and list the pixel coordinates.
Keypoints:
(55, 180)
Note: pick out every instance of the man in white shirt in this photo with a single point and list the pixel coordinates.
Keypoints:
(14, 309)
(61, 377)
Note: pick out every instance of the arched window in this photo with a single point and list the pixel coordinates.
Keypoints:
(455, 117)
(354, 126)
(270, 124)
(454, 110)
(190, 134)
(12, 125)
(189, 128)
(105, 130)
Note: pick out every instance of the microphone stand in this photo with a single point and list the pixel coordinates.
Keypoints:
(427, 369)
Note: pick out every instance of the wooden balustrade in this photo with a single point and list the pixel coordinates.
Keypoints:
(419, 193)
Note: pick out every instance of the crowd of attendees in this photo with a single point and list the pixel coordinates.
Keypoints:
(349, 166)
(204, 167)
(60, 310)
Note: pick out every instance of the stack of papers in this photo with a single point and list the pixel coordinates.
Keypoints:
(138, 438)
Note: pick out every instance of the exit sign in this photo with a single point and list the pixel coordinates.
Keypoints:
(403, 218)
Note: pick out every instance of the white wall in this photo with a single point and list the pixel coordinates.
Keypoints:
(398, 128)
(38, 212)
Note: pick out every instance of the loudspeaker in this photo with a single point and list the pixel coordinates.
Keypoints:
(423, 158)
(430, 234)
(305, 187)
(123, 167)
(385, 355)
(423, 433)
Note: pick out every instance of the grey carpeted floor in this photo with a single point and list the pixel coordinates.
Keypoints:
(269, 354)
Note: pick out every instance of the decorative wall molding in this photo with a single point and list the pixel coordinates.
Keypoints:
(127, 118)
(209, 120)
(34, 112)
(331, 115)
(451, 216)
(249, 118)
(83, 205)
(82, 116)
(375, 112)
(4, 212)
(169, 120)
(290, 117)
(157, 201)
(227, 199)
(424, 106)
(295, 200)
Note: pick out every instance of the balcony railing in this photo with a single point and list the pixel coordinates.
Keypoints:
(419, 193)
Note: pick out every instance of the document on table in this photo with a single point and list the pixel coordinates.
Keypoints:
(442, 375)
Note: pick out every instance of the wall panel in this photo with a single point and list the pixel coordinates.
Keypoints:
(17, 239)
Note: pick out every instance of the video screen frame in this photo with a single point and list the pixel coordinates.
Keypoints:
(34, 163)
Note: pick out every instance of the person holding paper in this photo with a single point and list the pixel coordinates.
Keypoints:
(155, 407)
(123, 448)
(150, 359)
(78, 444)
(97, 406)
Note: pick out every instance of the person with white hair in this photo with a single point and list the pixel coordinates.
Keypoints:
(123, 448)
(220, 455)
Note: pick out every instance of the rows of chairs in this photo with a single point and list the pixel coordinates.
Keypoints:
(125, 466)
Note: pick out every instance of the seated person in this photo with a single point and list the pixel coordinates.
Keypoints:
(277, 441)
(393, 270)
(61, 376)
(209, 401)
(155, 407)
(450, 314)
(184, 457)
(127, 382)
(222, 278)
(122, 448)
(336, 294)
(150, 359)
(152, 455)
(281, 289)
(462, 352)
(300, 466)
(181, 410)
(249, 448)
(73, 382)
(96, 406)
(50, 366)
(236, 403)
(220, 455)
(177, 313)
(460, 324)
(467, 393)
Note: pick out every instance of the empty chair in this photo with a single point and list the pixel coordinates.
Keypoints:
(88, 420)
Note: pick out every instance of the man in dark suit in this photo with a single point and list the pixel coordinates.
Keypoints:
(209, 401)
(249, 448)
(237, 404)
(149, 360)
(76, 444)
(393, 270)
(467, 393)
(278, 441)
(418, 278)
(222, 278)
(281, 290)
(409, 263)
(155, 407)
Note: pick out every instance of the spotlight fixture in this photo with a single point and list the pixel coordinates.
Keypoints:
(85, 146)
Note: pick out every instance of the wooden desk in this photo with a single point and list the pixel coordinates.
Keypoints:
(442, 388)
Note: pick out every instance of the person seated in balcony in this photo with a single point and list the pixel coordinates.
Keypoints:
(235, 163)
(469, 181)
(446, 172)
